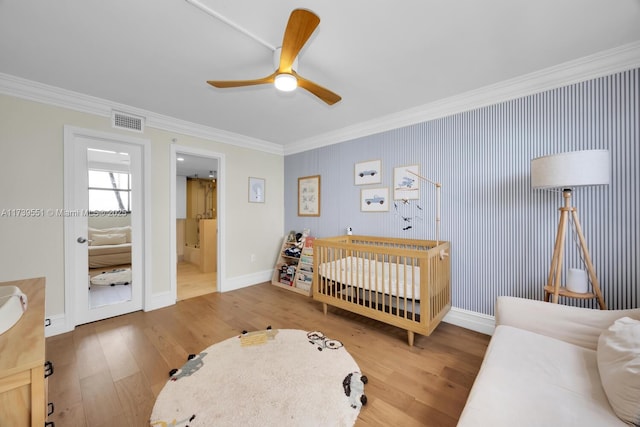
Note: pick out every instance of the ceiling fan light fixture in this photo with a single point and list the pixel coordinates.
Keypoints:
(286, 82)
(302, 23)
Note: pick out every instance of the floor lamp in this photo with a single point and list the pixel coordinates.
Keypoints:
(566, 171)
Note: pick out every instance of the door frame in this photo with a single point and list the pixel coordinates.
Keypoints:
(221, 235)
(70, 135)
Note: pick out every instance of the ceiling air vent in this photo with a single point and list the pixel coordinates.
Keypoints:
(127, 121)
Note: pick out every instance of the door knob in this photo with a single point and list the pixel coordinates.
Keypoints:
(81, 240)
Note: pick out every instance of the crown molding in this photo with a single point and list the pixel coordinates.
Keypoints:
(604, 63)
(183, 127)
(601, 64)
(51, 95)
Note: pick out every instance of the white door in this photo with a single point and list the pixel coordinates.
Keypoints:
(104, 209)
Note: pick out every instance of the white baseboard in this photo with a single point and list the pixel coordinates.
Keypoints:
(472, 320)
(59, 321)
(160, 300)
(58, 325)
(247, 280)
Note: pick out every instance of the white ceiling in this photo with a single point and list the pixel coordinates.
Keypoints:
(195, 166)
(382, 57)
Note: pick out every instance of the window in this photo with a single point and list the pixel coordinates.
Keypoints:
(109, 191)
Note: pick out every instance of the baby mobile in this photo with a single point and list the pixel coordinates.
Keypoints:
(406, 187)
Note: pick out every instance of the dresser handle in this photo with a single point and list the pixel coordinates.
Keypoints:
(48, 369)
(47, 322)
(49, 424)
(51, 409)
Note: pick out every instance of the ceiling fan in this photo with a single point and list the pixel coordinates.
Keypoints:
(302, 23)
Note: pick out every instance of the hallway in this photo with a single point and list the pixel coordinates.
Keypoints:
(192, 282)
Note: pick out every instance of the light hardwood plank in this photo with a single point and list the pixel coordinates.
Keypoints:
(120, 360)
(192, 282)
(99, 398)
(137, 399)
(90, 359)
(69, 415)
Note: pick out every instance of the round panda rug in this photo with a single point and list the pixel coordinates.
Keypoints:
(275, 377)
(120, 276)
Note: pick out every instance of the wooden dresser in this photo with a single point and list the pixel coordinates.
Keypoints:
(22, 358)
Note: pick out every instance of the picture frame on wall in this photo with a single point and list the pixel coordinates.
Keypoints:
(256, 190)
(309, 195)
(369, 172)
(374, 199)
(406, 185)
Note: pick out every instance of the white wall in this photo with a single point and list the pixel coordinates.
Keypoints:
(181, 197)
(31, 177)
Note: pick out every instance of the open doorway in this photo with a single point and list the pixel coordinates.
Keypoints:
(196, 222)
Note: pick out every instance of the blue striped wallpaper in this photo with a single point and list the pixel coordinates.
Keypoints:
(501, 231)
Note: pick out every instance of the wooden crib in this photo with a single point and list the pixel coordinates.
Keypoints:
(402, 282)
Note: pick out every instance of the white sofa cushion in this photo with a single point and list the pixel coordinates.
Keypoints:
(126, 230)
(108, 239)
(538, 381)
(576, 325)
(618, 358)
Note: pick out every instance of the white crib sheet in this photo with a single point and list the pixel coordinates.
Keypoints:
(388, 278)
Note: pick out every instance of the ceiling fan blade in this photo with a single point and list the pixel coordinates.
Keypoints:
(324, 94)
(238, 83)
(302, 23)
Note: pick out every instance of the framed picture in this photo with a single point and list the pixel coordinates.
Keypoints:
(368, 172)
(309, 196)
(406, 185)
(256, 190)
(374, 199)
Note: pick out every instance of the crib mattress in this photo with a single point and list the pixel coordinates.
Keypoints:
(372, 275)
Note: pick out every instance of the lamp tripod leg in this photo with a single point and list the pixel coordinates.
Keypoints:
(587, 260)
(553, 280)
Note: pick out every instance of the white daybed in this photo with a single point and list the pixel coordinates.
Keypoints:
(555, 365)
(109, 246)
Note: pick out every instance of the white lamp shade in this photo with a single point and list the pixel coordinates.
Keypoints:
(571, 169)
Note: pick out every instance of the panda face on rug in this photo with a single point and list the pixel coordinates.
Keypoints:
(318, 339)
(354, 389)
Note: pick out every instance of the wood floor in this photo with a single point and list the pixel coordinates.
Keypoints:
(192, 282)
(108, 373)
